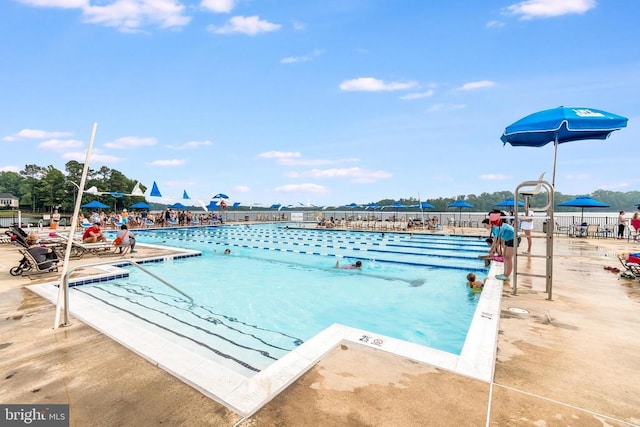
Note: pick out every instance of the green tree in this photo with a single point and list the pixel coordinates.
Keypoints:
(10, 182)
(32, 175)
(51, 189)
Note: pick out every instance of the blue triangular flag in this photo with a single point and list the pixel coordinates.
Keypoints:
(185, 195)
(154, 190)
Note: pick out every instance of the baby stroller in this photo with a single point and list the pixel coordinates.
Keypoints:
(21, 268)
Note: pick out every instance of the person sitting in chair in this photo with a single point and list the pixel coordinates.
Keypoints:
(93, 234)
(45, 257)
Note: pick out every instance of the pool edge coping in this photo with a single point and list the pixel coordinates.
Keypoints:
(246, 396)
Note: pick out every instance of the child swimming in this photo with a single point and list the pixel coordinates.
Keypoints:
(474, 283)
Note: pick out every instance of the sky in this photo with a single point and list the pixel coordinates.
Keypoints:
(317, 102)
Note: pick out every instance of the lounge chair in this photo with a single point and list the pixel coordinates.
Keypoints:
(562, 229)
(30, 267)
(630, 267)
(593, 230)
(79, 249)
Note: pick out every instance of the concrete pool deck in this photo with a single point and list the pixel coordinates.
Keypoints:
(571, 361)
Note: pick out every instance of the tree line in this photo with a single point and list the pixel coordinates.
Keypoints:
(43, 189)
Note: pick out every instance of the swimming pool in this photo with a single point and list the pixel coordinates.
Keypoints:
(266, 313)
(279, 287)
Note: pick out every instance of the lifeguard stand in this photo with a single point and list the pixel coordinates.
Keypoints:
(528, 189)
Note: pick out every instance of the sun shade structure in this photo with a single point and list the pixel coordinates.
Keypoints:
(140, 205)
(177, 205)
(584, 202)
(460, 204)
(220, 196)
(509, 203)
(155, 192)
(95, 205)
(560, 125)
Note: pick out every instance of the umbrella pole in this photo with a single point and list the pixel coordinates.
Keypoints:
(555, 159)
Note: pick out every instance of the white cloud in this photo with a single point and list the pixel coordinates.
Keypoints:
(60, 145)
(9, 169)
(294, 158)
(417, 95)
(578, 177)
(494, 24)
(477, 85)
(191, 145)
(615, 186)
(301, 188)
(436, 108)
(250, 25)
(128, 142)
(354, 174)
(96, 157)
(171, 162)
(35, 134)
(280, 155)
(494, 177)
(298, 26)
(66, 4)
(304, 58)
(531, 9)
(218, 6)
(132, 15)
(241, 189)
(370, 84)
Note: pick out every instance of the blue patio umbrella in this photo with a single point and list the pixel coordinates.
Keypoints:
(508, 203)
(423, 205)
(398, 205)
(220, 196)
(212, 205)
(140, 205)
(177, 205)
(460, 204)
(95, 205)
(584, 202)
(560, 125)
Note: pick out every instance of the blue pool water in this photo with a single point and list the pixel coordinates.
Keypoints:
(279, 287)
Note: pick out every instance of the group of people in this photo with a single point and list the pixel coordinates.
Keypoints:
(123, 238)
(503, 242)
(622, 222)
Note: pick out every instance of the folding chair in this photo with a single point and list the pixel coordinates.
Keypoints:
(634, 230)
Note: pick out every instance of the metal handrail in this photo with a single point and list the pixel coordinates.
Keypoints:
(549, 208)
(65, 284)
